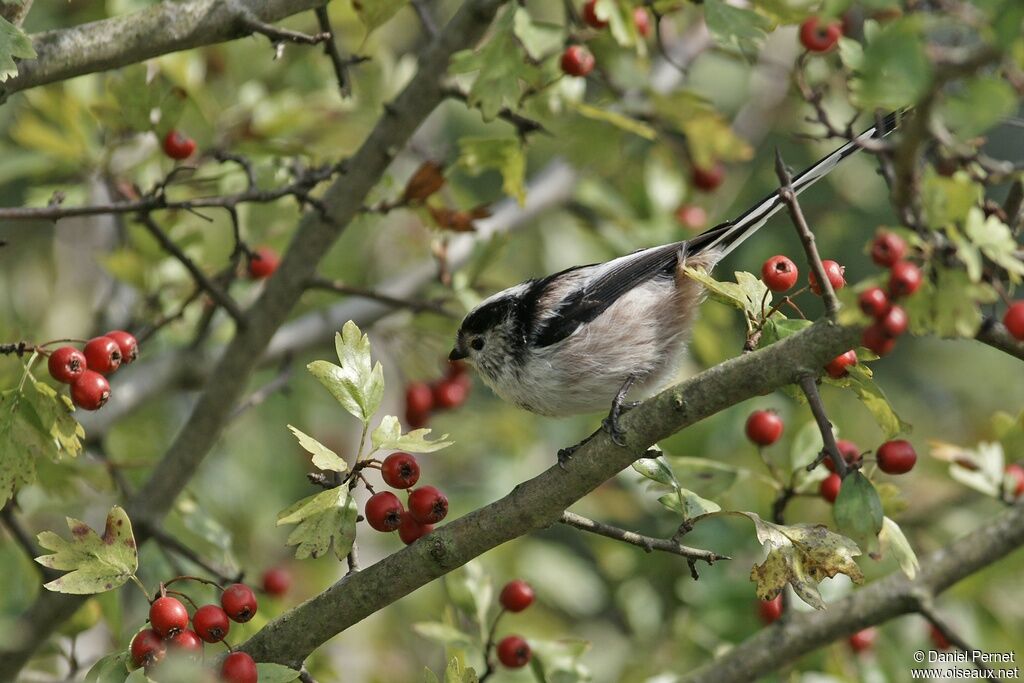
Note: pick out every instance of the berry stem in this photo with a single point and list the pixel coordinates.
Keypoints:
(186, 577)
(142, 587)
(489, 645)
(809, 385)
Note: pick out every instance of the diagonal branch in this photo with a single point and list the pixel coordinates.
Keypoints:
(648, 543)
(808, 383)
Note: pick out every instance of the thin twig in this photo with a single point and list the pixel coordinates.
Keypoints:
(489, 645)
(276, 34)
(648, 543)
(809, 385)
(279, 383)
(426, 18)
(524, 126)
(339, 62)
(172, 544)
(348, 290)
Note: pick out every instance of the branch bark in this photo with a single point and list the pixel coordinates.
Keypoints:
(648, 543)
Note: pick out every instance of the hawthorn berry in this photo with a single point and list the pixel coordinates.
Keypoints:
(830, 486)
(863, 640)
(428, 505)
(904, 279)
(186, 641)
(516, 596)
(410, 530)
(874, 302)
(147, 647)
(577, 61)
(764, 427)
(178, 146)
(894, 323)
(691, 216)
(262, 263)
(277, 581)
(708, 179)
(896, 457)
(400, 471)
(834, 273)
(1014, 320)
(102, 355)
(590, 15)
(837, 367)
(168, 616)
(449, 393)
(514, 652)
(416, 419)
(779, 273)
(850, 452)
(876, 339)
(67, 364)
(1016, 474)
(770, 610)
(126, 343)
(238, 667)
(939, 639)
(211, 623)
(419, 398)
(642, 21)
(817, 37)
(239, 602)
(887, 248)
(384, 511)
(90, 391)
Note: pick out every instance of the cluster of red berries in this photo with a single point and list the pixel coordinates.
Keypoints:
(513, 651)
(577, 60)
(84, 370)
(780, 274)
(178, 146)
(422, 398)
(818, 36)
(893, 457)
(385, 512)
(891, 320)
(169, 630)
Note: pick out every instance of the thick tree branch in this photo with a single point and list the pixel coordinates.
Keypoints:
(802, 632)
(540, 502)
(997, 336)
(648, 543)
(313, 238)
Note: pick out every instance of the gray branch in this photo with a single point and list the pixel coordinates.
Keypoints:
(648, 543)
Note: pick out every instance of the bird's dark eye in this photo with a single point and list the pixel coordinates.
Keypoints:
(477, 344)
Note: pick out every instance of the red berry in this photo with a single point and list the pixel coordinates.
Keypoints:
(642, 21)
(102, 355)
(90, 391)
(178, 146)
(779, 273)
(1014, 320)
(516, 596)
(770, 610)
(896, 457)
(1016, 474)
(400, 471)
(850, 452)
(186, 640)
(904, 279)
(874, 302)
(939, 639)
(456, 368)
(450, 394)
(417, 420)
(238, 667)
(419, 398)
(863, 640)
(67, 364)
(876, 339)
(708, 179)
(514, 652)
(692, 216)
(834, 273)
(819, 38)
(577, 61)
(411, 530)
(210, 623)
(126, 343)
(147, 647)
(428, 505)
(239, 602)
(830, 486)
(277, 581)
(168, 616)
(262, 263)
(837, 367)
(384, 511)
(887, 248)
(590, 15)
(895, 322)
(764, 427)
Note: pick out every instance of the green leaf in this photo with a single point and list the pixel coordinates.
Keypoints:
(454, 673)
(777, 327)
(895, 71)
(871, 395)
(442, 633)
(539, 40)
(137, 676)
(709, 137)
(749, 294)
(656, 469)
(470, 590)
(621, 121)
(357, 384)
(54, 414)
(707, 477)
(949, 305)
(946, 200)
(996, 242)
(323, 519)
(504, 155)
(94, 563)
(388, 436)
(891, 538)
(430, 677)
(807, 444)
(13, 43)
(275, 673)
(21, 443)
(559, 661)
(688, 504)
(979, 104)
(323, 457)
(729, 25)
(112, 668)
(858, 510)
(376, 13)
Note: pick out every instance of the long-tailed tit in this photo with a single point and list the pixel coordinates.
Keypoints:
(580, 340)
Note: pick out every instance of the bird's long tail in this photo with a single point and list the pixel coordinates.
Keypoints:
(728, 236)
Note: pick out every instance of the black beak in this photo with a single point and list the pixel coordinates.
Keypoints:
(457, 355)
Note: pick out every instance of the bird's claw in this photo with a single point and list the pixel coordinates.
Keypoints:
(616, 432)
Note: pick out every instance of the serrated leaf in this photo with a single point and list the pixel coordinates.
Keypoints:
(376, 13)
(275, 673)
(620, 121)
(388, 436)
(538, 39)
(871, 395)
(895, 71)
(777, 328)
(949, 305)
(656, 469)
(736, 26)
(21, 442)
(94, 563)
(946, 200)
(356, 384)
(504, 155)
(14, 43)
(323, 457)
(454, 673)
(112, 668)
(892, 539)
(996, 242)
(858, 510)
(324, 519)
(442, 633)
(54, 412)
(749, 294)
(688, 504)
